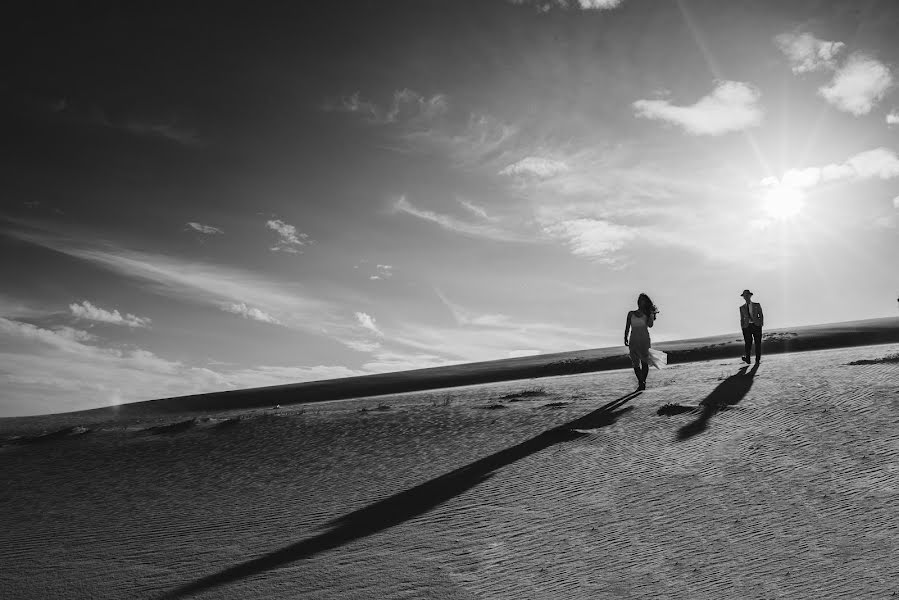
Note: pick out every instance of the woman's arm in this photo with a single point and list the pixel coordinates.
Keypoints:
(650, 319)
(627, 326)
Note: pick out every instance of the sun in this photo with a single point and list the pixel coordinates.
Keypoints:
(783, 202)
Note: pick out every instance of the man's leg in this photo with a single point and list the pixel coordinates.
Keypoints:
(757, 335)
(747, 341)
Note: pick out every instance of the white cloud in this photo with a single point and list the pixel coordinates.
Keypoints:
(249, 312)
(454, 224)
(732, 106)
(788, 194)
(881, 163)
(545, 5)
(368, 322)
(89, 312)
(807, 53)
(896, 202)
(893, 117)
(858, 85)
(592, 238)
(205, 229)
(536, 166)
(288, 238)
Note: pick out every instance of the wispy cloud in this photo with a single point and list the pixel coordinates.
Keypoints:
(249, 312)
(536, 166)
(731, 106)
(56, 370)
(454, 224)
(893, 117)
(203, 283)
(288, 239)
(807, 53)
(383, 272)
(367, 322)
(480, 141)
(478, 211)
(545, 5)
(592, 238)
(406, 106)
(859, 84)
(89, 312)
(466, 317)
(168, 130)
(204, 229)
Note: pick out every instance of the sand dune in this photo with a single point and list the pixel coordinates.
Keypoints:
(776, 484)
(776, 341)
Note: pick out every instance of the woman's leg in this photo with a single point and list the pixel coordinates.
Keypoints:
(644, 372)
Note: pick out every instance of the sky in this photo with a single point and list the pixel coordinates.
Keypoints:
(208, 196)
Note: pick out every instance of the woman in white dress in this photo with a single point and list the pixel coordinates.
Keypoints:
(642, 355)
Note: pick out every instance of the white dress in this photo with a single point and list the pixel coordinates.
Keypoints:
(641, 345)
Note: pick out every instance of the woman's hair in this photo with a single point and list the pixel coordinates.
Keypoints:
(644, 300)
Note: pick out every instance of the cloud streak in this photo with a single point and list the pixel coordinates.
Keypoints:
(203, 283)
(288, 239)
(204, 229)
(249, 312)
(407, 106)
(535, 166)
(546, 5)
(731, 106)
(454, 224)
(89, 312)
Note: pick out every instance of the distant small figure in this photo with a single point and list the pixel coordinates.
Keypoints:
(751, 321)
(642, 355)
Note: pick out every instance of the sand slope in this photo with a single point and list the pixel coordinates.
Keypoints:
(780, 485)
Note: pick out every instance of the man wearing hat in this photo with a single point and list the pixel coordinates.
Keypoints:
(751, 320)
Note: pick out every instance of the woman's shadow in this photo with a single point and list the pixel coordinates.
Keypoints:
(408, 504)
(728, 393)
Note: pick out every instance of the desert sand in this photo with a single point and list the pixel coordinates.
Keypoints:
(719, 481)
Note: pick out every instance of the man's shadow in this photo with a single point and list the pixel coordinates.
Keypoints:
(728, 393)
(408, 504)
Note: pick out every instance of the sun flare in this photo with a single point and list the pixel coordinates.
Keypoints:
(783, 202)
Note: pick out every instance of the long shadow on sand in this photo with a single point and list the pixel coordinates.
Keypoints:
(411, 503)
(728, 393)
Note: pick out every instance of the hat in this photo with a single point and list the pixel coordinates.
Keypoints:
(746, 292)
